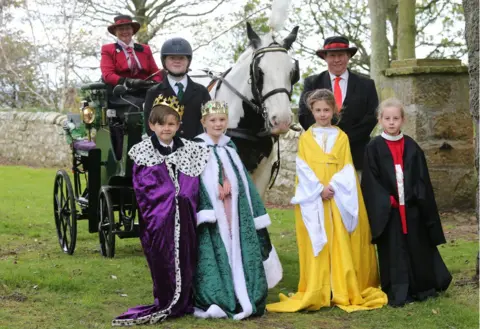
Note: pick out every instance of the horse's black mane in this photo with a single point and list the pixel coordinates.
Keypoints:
(252, 151)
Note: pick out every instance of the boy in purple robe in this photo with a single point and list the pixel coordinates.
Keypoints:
(166, 182)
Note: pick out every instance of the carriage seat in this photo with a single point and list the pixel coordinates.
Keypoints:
(82, 147)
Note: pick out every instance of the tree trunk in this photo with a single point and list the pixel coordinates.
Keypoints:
(471, 8)
(392, 16)
(142, 34)
(378, 32)
(406, 29)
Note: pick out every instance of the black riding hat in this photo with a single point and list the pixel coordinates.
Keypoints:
(176, 46)
(336, 43)
(123, 20)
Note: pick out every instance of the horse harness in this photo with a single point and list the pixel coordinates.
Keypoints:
(258, 103)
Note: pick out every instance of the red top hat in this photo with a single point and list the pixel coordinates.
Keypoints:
(123, 20)
(336, 43)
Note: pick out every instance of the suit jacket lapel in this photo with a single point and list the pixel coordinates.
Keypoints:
(351, 84)
(118, 51)
(189, 91)
(166, 89)
(325, 81)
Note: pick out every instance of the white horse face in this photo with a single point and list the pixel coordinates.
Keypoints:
(277, 70)
(274, 70)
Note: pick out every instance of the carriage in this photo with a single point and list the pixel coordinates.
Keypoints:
(102, 191)
(258, 90)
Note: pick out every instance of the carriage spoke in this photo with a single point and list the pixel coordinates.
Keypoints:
(57, 206)
(60, 188)
(64, 236)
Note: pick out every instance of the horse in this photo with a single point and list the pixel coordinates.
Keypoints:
(258, 89)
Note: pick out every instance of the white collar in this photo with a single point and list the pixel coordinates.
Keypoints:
(190, 159)
(124, 45)
(344, 75)
(183, 81)
(392, 138)
(165, 145)
(224, 139)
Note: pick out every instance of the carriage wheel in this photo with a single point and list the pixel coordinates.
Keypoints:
(106, 225)
(65, 212)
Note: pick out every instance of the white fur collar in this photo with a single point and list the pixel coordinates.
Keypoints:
(224, 139)
(189, 159)
(392, 138)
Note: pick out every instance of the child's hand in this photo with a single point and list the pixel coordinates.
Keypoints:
(327, 193)
(227, 188)
(221, 193)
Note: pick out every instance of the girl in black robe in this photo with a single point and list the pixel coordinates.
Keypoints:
(402, 211)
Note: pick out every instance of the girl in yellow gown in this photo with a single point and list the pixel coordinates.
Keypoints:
(338, 264)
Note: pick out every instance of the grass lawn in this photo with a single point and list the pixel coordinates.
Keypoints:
(41, 287)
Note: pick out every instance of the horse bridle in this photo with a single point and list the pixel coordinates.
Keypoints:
(256, 75)
(258, 105)
(259, 100)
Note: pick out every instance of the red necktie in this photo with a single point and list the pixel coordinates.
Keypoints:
(337, 93)
(133, 62)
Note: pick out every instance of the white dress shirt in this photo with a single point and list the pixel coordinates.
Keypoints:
(343, 83)
(172, 82)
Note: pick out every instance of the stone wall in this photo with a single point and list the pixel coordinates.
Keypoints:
(36, 139)
(284, 187)
(435, 94)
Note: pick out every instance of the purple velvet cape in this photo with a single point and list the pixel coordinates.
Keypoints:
(155, 192)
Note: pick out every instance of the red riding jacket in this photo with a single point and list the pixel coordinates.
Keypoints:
(114, 64)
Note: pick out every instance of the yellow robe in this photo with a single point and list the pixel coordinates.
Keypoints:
(344, 273)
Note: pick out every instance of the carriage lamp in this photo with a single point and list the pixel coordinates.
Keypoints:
(88, 117)
(88, 114)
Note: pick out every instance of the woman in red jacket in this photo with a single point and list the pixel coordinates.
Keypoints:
(128, 63)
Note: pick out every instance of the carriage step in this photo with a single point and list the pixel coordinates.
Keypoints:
(82, 202)
(129, 234)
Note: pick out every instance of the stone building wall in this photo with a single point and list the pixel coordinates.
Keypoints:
(37, 139)
(435, 94)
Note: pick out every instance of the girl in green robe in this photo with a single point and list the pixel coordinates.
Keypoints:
(236, 261)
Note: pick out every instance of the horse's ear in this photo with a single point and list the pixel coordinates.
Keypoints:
(290, 39)
(253, 37)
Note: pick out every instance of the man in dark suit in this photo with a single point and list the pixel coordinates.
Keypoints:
(355, 95)
(176, 56)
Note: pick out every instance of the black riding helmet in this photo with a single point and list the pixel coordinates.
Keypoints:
(176, 47)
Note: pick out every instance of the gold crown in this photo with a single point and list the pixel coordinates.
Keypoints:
(214, 107)
(171, 102)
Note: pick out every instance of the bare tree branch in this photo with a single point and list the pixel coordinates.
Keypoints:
(229, 29)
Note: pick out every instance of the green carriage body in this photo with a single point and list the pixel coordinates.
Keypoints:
(105, 170)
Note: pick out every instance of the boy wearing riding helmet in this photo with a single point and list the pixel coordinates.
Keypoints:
(176, 55)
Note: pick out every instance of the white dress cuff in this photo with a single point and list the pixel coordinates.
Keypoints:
(262, 221)
(206, 216)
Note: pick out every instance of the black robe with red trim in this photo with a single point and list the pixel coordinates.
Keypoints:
(410, 265)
